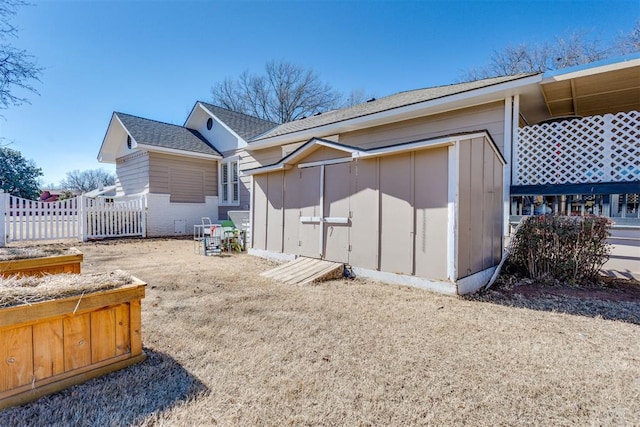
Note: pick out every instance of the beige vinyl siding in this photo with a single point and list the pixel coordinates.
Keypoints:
(132, 173)
(185, 179)
(488, 117)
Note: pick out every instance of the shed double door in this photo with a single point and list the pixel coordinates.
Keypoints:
(325, 214)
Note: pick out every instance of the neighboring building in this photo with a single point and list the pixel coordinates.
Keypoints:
(422, 187)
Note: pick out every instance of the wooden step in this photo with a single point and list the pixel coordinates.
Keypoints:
(305, 270)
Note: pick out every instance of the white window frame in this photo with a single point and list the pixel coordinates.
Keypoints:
(229, 162)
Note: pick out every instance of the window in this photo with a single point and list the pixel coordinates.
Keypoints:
(209, 123)
(229, 183)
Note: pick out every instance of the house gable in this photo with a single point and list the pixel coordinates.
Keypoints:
(127, 134)
(228, 130)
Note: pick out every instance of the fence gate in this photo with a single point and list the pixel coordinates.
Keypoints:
(114, 219)
(78, 218)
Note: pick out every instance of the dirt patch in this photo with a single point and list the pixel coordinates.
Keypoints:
(246, 350)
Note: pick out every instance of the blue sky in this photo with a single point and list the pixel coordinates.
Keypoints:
(156, 58)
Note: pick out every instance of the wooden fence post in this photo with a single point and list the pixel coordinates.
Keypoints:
(3, 218)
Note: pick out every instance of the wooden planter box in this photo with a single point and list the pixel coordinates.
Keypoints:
(48, 346)
(54, 264)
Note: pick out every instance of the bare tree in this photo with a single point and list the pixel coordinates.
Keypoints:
(566, 51)
(17, 68)
(630, 42)
(285, 92)
(87, 180)
(355, 97)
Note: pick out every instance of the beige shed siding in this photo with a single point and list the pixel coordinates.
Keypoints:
(480, 190)
(309, 234)
(488, 116)
(260, 219)
(275, 211)
(292, 191)
(397, 207)
(167, 173)
(338, 189)
(365, 221)
(431, 176)
(396, 214)
(132, 173)
(325, 153)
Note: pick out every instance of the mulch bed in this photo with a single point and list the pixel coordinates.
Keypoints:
(609, 298)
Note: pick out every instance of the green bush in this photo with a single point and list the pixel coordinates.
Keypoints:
(564, 248)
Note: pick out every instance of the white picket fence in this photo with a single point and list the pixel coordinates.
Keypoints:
(80, 218)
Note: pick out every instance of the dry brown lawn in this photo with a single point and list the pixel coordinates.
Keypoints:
(227, 347)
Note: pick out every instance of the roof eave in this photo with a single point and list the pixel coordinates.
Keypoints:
(175, 151)
(438, 105)
(102, 156)
(591, 69)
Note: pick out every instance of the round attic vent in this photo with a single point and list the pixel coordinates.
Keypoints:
(209, 123)
(129, 142)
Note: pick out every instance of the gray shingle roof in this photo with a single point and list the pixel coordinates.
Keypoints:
(383, 104)
(243, 124)
(165, 135)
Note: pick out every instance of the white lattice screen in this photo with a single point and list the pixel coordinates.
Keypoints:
(592, 149)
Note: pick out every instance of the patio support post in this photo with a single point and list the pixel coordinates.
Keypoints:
(511, 112)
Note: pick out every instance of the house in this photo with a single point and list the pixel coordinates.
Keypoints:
(185, 172)
(422, 187)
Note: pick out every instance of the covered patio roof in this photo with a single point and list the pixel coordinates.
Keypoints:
(598, 88)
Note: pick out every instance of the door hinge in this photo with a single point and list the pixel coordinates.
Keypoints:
(299, 242)
(350, 247)
(350, 214)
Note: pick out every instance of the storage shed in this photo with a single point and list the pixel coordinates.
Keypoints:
(426, 213)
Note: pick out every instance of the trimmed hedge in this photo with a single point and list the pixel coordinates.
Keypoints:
(570, 249)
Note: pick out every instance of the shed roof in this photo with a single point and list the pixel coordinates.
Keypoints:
(384, 104)
(355, 152)
(244, 125)
(165, 135)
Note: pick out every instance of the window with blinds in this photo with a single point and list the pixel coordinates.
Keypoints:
(229, 183)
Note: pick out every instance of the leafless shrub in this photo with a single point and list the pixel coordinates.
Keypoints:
(568, 249)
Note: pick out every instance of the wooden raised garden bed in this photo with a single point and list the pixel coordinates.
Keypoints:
(51, 345)
(67, 261)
